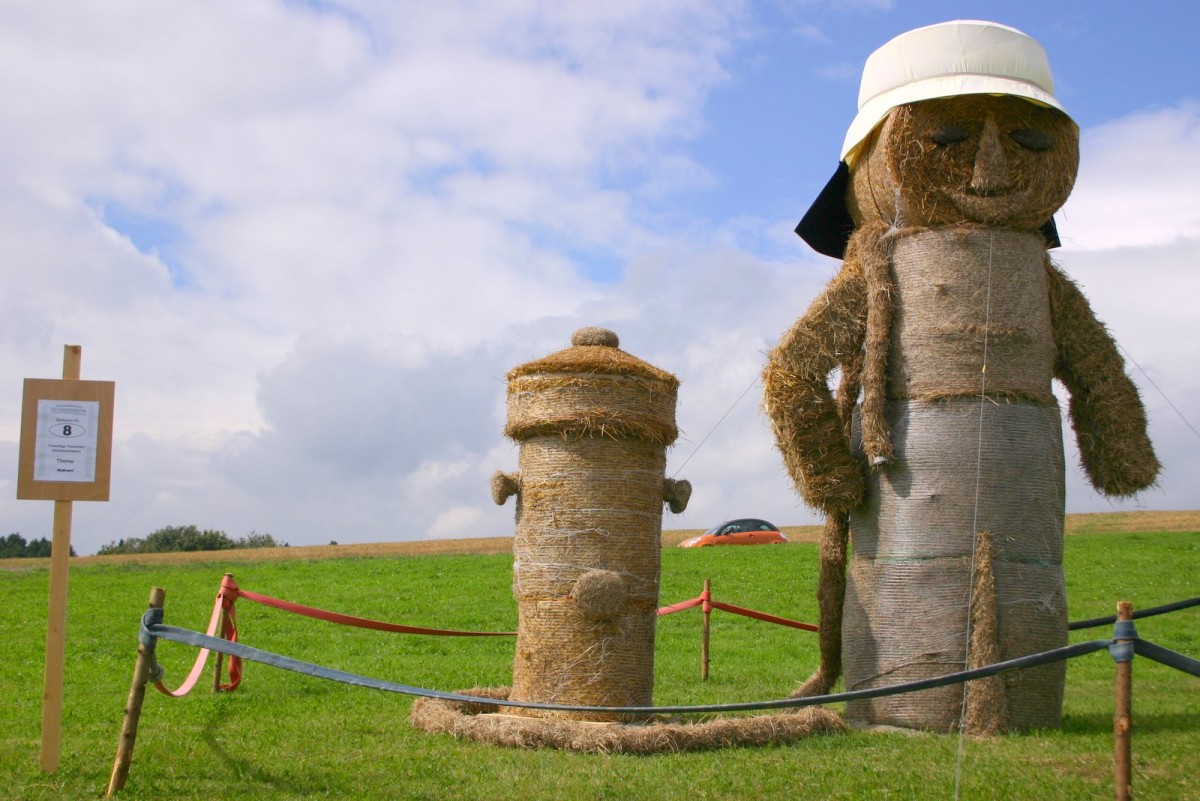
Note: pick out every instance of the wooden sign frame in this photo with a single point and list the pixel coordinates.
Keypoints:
(29, 487)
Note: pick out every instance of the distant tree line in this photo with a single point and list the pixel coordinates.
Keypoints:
(188, 538)
(14, 545)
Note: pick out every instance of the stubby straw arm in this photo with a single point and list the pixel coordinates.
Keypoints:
(797, 399)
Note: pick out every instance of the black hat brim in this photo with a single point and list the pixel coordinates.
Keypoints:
(827, 224)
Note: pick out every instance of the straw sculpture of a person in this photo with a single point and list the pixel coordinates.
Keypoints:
(947, 322)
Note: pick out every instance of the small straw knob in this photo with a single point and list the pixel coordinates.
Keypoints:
(593, 335)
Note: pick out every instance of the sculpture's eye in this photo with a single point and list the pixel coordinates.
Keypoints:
(949, 135)
(1030, 139)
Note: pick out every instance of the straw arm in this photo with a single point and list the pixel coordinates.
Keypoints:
(797, 399)
(1105, 409)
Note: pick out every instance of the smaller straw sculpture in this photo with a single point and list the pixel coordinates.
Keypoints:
(593, 423)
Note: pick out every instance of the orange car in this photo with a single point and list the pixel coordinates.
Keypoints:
(746, 531)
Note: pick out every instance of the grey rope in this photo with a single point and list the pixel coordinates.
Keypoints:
(195, 638)
(1093, 622)
(1165, 657)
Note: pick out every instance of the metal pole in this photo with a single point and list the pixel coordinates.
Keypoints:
(1122, 716)
(706, 608)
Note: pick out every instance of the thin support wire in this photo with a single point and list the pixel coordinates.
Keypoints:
(1146, 375)
(983, 400)
(715, 427)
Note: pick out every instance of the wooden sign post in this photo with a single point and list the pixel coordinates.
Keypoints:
(65, 456)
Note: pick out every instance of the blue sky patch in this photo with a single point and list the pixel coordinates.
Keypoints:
(152, 235)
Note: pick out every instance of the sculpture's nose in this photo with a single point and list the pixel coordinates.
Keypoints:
(990, 176)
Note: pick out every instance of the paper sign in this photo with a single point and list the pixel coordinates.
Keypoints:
(66, 440)
(67, 434)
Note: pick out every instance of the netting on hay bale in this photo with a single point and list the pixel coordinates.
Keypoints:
(906, 607)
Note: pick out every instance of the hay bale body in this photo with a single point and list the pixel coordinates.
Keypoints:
(586, 571)
(593, 423)
(966, 459)
(906, 608)
(961, 289)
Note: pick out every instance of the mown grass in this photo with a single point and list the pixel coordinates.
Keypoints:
(286, 736)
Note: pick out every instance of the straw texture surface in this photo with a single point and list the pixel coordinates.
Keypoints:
(593, 423)
(966, 296)
(592, 389)
(986, 710)
(481, 722)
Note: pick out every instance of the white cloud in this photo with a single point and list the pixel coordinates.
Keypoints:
(841, 72)
(810, 32)
(870, 5)
(1131, 234)
(307, 245)
(456, 523)
(287, 233)
(1137, 181)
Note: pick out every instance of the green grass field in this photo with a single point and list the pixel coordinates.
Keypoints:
(286, 736)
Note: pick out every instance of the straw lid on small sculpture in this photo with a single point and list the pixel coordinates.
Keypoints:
(592, 388)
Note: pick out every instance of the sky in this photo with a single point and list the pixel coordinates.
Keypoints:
(307, 240)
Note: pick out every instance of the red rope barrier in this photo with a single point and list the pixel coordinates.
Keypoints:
(229, 590)
(222, 618)
(779, 621)
(705, 600)
(361, 622)
(679, 607)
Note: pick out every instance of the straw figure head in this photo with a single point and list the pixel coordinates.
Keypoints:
(957, 124)
(998, 161)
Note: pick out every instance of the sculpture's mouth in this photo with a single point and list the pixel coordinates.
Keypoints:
(994, 206)
(998, 192)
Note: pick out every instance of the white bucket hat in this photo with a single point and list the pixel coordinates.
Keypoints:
(962, 57)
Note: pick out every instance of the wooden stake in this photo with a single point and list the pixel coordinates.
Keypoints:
(218, 663)
(56, 614)
(706, 608)
(133, 708)
(72, 362)
(220, 632)
(1123, 718)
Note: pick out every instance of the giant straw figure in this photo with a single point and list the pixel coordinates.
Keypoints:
(942, 449)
